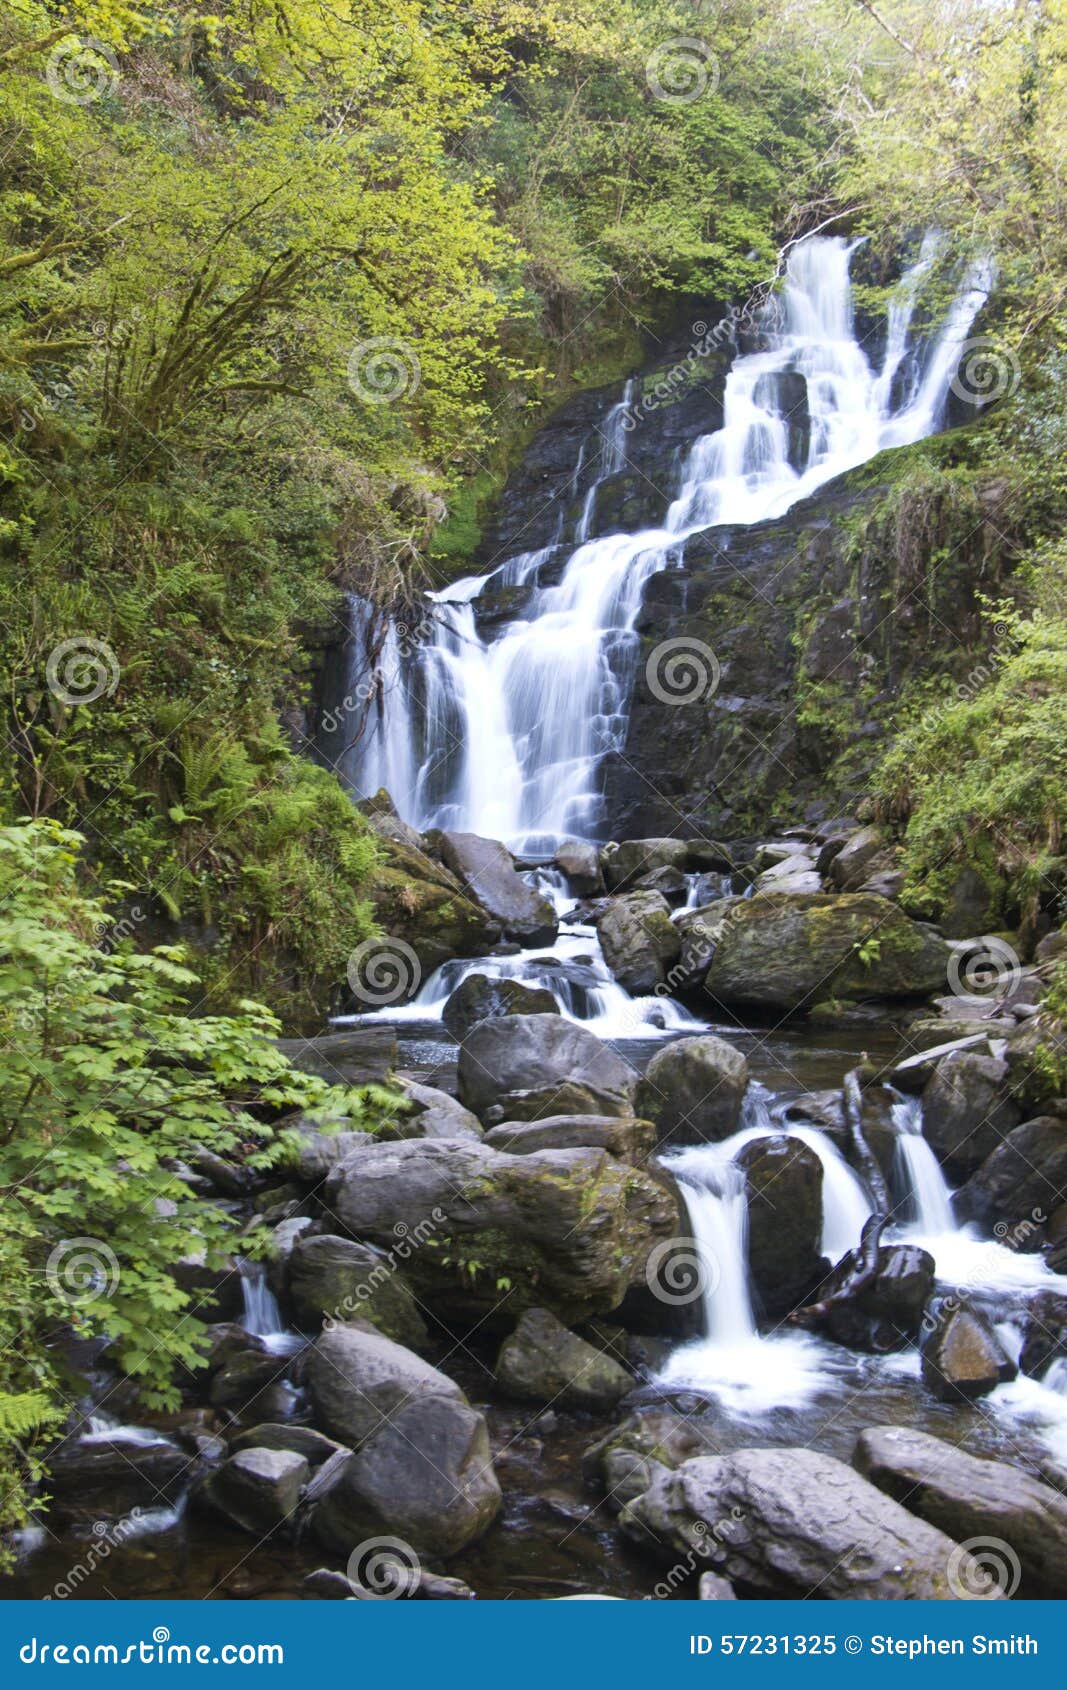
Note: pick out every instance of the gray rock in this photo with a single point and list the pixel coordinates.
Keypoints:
(1021, 1183)
(544, 1362)
(624, 1463)
(794, 1523)
(488, 875)
(714, 1588)
(1045, 1333)
(1052, 946)
(319, 1149)
(531, 1067)
(692, 1090)
(671, 884)
(968, 1497)
(570, 1229)
(624, 863)
(848, 870)
(425, 1476)
(639, 940)
(789, 951)
(962, 1355)
(337, 1280)
(629, 1140)
(434, 1114)
(967, 1110)
(359, 1379)
(580, 863)
(887, 1314)
(481, 998)
(258, 1489)
(783, 1183)
(314, 1446)
(109, 1476)
(353, 1057)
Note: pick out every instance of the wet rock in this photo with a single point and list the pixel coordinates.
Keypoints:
(629, 1140)
(216, 1290)
(544, 1362)
(793, 1523)
(488, 876)
(355, 1057)
(230, 1179)
(622, 864)
(783, 1186)
(242, 1369)
(887, 1314)
(433, 1114)
(639, 940)
(967, 1110)
(961, 1353)
(970, 906)
(319, 1149)
(581, 865)
(700, 931)
(315, 1447)
(1052, 946)
(283, 1239)
(626, 1461)
(693, 1090)
(480, 998)
(425, 1476)
(1020, 1184)
(257, 1489)
(848, 869)
(968, 1497)
(788, 951)
(714, 1588)
(531, 1067)
(670, 883)
(570, 1230)
(420, 902)
(358, 1378)
(335, 1279)
(1045, 1333)
(111, 1475)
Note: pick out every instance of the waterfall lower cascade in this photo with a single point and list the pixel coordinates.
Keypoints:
(505, 736)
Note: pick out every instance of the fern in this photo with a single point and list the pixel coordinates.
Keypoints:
(24, 1412)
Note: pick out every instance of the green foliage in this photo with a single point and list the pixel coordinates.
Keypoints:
(107, 1086)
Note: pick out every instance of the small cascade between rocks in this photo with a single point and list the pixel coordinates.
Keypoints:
(262, 1317)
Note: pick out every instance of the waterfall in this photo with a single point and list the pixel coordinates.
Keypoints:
(919, 1174)
(506, 736)
(262, 1316)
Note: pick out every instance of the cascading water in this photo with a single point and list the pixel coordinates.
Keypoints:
(505, 737)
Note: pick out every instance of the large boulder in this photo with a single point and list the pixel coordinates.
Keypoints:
(624, 863)
(961, 1353)
(419, 901)
(624, 1462)
(490, 1234)
(430, 1114)
(94, 1476)
(488, 876)
(693, 1089)
(638, 939)
(967, 1110)
(1021, 1183)
(968, 1497)
(529, 1067)
(580, 864)
(543, 1362)
(629, 1140)
(358, 1378)
(335, 1280)
(850, 864)
(790, 951)
(783, 1185)
(480, 997)
(354, 1056)
(1045, 1333)
(793, 1523)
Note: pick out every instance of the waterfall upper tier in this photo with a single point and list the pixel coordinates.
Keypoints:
(503, 729)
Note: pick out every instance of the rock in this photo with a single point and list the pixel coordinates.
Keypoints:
(425, 1477)
(571, 1230)
(245, 1373)
(328, 1586)
(488, 876)
(671, 884)
(283, 1240)
(421, 903)
(230, 1179)
(543, 1362)
(927, 1034)
(783, 1186)
(968, 1497)
(258, 1489)
(714, 1588)
(434, 1114)
(887, 1314)
(216, 1290)
(314, 1446)
(622, 864)
(625, 1461)
(692, 1090)
(629, 1140)
(335, 1280)
(1052, 946)
(318, 1149)
(1020, 1184)
(848, 870)
(967, 1110)
(1045, 1334)
(969, 906)
(531, 1067)
(355, 1057)
(358, 1378)
(110, 1476)
(480, 998)
(912, 1074)
(581, 865)
(961, 1354)
(788, 951)
(638, 939)
(794, 1523)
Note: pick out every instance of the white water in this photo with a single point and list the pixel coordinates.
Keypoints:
(262, 1316)
(505, 737)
